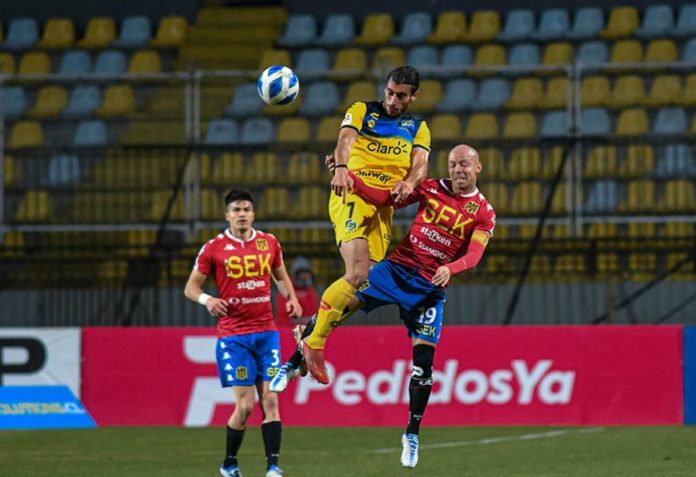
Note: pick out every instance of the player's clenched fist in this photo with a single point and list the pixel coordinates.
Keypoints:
(216, 306)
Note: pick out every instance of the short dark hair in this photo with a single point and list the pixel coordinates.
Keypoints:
(405, 75)
(238, 194)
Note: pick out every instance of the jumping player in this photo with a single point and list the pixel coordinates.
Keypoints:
(448, 236)
(388, 150)
(243, 260)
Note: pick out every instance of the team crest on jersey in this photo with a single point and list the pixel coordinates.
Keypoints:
(241, 372)
(471, 207)
(407, 123)
(261, 244)
(364, 286)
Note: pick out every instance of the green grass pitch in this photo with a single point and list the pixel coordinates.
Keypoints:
(356, 452)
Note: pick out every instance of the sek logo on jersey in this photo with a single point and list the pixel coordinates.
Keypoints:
(248, 265)
(446, 217)
(250, 284)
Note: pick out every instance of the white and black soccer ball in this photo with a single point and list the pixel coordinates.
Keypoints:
(278, 85)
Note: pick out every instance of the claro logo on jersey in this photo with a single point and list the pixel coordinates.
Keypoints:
(396, 150)
(248, 265)
(523, 383)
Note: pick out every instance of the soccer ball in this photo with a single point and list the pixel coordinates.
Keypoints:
(278, 85)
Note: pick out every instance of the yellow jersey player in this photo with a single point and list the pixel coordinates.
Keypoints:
(388, 149)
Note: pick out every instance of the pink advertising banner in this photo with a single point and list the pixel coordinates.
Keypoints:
(488, 375)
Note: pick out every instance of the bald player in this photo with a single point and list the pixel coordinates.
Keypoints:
(448, 236)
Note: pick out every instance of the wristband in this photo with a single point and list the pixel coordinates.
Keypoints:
(341, 165)
(203, 298)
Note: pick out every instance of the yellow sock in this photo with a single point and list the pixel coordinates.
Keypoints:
(333, 302)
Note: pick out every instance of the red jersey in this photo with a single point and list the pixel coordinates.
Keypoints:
(243, 278)
(442, 229)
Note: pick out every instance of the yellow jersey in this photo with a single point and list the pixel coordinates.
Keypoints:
(381, 155)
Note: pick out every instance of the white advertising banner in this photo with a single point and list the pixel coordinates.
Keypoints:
(40, 357)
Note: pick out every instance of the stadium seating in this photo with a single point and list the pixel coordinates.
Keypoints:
(101, 33)
(458, 96)
(527, 93)
(338, 30)
(136, 32)
(34, 63)
(22, 34)
(519, 26)
(50, 102)
(415, 28)
(456, 58)
(14, 102)
(301, 30)
(686, 22)
(26, 134)
(58, 34)
(171, 32)
(670, 121)
(83, 101)
(222, 131)
(75, 62)
(623, 21)
(378, 29)
(312, 62)
(484, 26)
(587, 23)
(595, 122)
(451, 27)
(665, 90)
(554, 24)
(110, 62)
(118, 101)
(554, 124)
(492, 94)
(445, 127)
(321, 99)
(424, 58)
(91, 133)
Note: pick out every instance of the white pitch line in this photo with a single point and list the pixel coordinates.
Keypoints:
(495, 440)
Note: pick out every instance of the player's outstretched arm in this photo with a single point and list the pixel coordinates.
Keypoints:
(282, 280)
(416, 175)
(342, 183)
(194, 292)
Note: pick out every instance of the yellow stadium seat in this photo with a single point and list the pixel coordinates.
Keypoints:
(305, 167)
(274, 203)
(525, 163)
(13, 244)
(561, 53)
(570, 263)
(450, 28)
(171, 33)
(526, 199)
(293, 130)
(678, 229)
(595, 91)
(679, 197)
(482, 126)
(661, 51)
(50, 102)
(350, 64)
(59, 34)
(327, 131)
(557, 93)
(34, 63)
(312, 202)
(229, 169)
(520, 126)
(607, 264)
(274, 57)
(445, 127)
(689, 97)
(485, 26)
(642, 266)
(665, 90)
(199, 167)
(627, 51)
(603, 230)
(26, 134)
(632, 122)
(429, 96)
(119, 100)
(527, 93)
(159, 203)
(263, 168)
(378, 29)
(358, 91)
(145, 61)
(493, 162)
(685, 272)
(438, 164)
(386, 59)
(211, 205)
(623, 21)
(7, 63)
(639, 161)
(552, 162)
(640, 197)
(628, 91)
(490, 55)
(35, 207)
(10, 173)
(101, 32)
(559, 203)
(601, 163)
(497, 195)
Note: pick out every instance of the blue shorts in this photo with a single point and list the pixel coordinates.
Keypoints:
(420, 302)
(245, 359)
